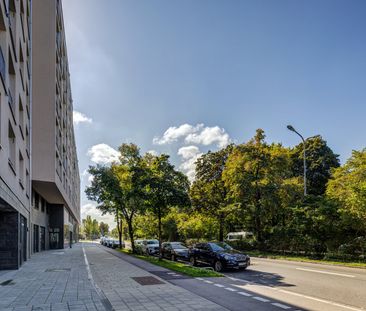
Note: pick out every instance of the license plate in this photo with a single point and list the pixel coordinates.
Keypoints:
(241, 264)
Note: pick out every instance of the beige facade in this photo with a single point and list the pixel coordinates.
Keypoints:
(55, 172)
(15, 110)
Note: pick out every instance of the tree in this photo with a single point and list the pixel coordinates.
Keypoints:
(167, 187)
(320, 160)
(208, 191)
(348, 187)
(90, 227)
(258, 178)
(120, 189)
(103, 228)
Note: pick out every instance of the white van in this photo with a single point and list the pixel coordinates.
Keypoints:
(236, 236)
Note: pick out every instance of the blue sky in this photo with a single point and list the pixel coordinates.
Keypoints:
(222, 68)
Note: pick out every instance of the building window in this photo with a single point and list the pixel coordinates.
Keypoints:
(11, 137)
(36, 200)
(21, 117)
(43, 204)
(21, 170)
(27, 183)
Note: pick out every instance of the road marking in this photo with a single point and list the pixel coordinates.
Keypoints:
(233, 279)
(170, 272)
(208, 282)
(326, 272)
(219, 285)
(245, 294)
(231, 289)
(322, 300)
(260, 299)
(200, 279)
(280, 305)
(329, 302)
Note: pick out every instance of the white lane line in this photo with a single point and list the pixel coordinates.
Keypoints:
(219, 285)
(170, 272)
(329, 302)
(208, 282)
(326, 272)
(231, 289)
(260, 299)
(245, 294)
(233, 279)
(280, 305)
(200, 279)
(322, 300)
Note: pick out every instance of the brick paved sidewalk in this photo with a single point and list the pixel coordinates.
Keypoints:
(113, 276)
(52, 281)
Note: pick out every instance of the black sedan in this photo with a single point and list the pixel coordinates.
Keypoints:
(219, 255)
(174, 251)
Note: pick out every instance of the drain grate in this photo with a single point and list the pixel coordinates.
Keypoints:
(147, 280)
(58, 270)
(7, 282)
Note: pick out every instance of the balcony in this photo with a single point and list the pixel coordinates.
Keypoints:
(11, 103)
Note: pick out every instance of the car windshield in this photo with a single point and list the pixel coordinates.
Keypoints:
(220, 246)
(153, 242)
(178, 246)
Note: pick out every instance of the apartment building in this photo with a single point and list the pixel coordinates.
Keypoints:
(39, 175)
(15, 113)
(55, 212)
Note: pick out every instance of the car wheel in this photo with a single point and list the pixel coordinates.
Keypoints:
(218, 266)
(173, 258)
(192, 260)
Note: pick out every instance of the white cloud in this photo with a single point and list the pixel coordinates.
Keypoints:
(209, 136)
(103, 154)
(90, 209)
(153, 152)
(173, 133)
(79, 117)
(189, 155)
(198, 134)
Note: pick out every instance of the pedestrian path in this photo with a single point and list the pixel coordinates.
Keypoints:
(128, 287)
(50, 281)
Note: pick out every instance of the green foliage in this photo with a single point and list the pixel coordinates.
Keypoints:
(259, 180)
(90, 228)
(320, 160)
(208, 192)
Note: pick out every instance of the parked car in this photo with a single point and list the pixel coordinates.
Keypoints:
(102, 240)
(150, 247)
(138, 246)
(114, 243)
(236, 236)
(219, 255)
(174, 251)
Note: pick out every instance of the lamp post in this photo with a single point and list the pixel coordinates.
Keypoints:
(292, 129)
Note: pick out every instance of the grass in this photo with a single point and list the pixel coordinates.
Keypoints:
(307, 259)
(175, 266)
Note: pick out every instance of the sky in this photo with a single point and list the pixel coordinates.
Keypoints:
(184, 77)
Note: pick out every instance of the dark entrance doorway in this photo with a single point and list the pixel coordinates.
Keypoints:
(35, 238)
(23, 239)
(43, 238)
(55, 238)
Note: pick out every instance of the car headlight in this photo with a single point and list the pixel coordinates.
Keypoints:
(228, 257)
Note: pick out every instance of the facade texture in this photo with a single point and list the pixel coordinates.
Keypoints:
(55, 172)
(15, 120)
(39, 176)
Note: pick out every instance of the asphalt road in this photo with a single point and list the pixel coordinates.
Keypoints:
(274, 285)
(287, 285)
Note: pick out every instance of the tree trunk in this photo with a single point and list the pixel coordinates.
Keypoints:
(130, 231)
(159, 232)
(221, 227)
(119, 225)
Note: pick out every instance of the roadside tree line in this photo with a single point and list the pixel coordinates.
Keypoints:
(253, 186)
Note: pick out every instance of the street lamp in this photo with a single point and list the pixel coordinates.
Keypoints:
(292, 129)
